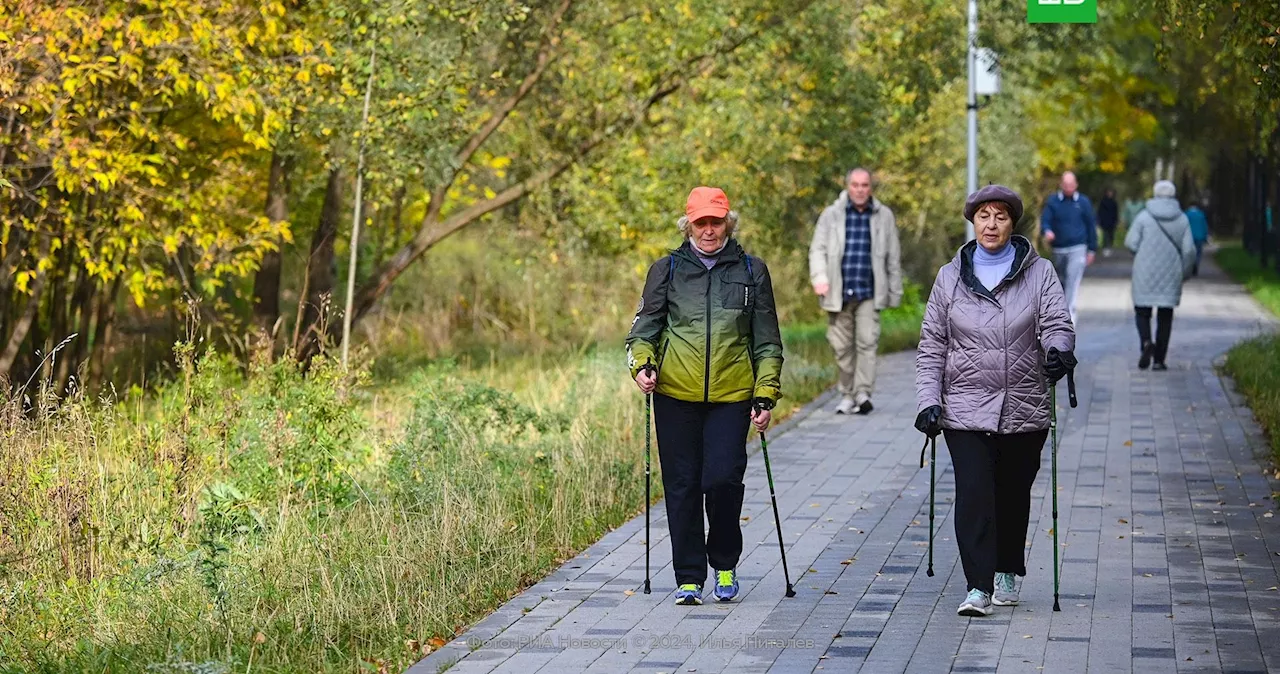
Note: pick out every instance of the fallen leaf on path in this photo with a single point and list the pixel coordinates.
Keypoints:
(1124, 521)
(1026, 636)
(628, 592)
(1128, 443)
(847, 562)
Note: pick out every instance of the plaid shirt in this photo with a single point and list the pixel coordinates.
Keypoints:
(855, 266)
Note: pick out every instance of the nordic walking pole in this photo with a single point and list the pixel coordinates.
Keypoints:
(648, 442)
(933, 476)
(933, 459)
(1053, 426)
(764, 449)
(1053, 429)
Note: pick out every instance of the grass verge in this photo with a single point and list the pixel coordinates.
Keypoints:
(268, 521)
(1255, 364)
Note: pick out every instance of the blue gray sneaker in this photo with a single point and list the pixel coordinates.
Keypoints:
(689, 595)
(1006, 590)
(726, 585)
(975, 605)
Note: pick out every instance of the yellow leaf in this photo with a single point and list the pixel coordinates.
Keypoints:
(20, 281)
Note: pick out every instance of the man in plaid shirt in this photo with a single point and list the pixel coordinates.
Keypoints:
(856, 270)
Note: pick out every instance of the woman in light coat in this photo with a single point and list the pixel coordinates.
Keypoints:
(996, 335)
(1164, 253)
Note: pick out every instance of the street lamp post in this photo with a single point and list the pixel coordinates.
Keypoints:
(973, 110)
(984, 80)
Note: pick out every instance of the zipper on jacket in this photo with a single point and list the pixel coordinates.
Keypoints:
(706, 380)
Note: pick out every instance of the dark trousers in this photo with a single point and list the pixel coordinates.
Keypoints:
(993, 501)
(1108, 236)
(702, 448)
(1164, 327)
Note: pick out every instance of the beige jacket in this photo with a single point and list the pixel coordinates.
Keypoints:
(827, 251)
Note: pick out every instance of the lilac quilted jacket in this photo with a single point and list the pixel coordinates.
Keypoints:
(980, 351)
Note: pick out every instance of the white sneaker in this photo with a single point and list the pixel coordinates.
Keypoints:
(1006, 590)
(846, 406)
(976, 605)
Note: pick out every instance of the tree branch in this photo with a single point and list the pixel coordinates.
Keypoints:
(546, 53)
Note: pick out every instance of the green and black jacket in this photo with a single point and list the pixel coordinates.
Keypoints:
(713, 334)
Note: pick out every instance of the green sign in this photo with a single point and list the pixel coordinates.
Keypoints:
(1062, 11)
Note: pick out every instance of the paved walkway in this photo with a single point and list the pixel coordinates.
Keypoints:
(1169, 542)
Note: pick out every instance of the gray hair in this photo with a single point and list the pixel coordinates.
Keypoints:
(1164, 188)
(730, 224)
(849, 174)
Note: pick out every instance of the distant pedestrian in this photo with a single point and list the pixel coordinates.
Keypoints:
(1108, 218)
(1164, 253)
(855, 266)
(996, 335)
(705, 342)
(1199, 232)
(1068, 225)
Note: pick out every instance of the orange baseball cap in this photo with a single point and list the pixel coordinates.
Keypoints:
(706, 201)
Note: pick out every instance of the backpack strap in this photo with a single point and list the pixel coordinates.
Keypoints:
(748, 260)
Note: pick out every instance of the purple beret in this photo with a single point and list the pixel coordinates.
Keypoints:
(994, 193)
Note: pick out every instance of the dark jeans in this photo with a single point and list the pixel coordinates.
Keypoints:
(1164, 327)
(1108, 236)
(993, 501)
(703, 451)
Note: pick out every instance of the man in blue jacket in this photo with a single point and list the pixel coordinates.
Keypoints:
(1069, 226)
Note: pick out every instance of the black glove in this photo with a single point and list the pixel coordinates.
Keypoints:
(762, 404)
(929, 421)
(1058, 364)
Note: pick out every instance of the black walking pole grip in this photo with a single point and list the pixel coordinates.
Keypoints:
(1071, 387)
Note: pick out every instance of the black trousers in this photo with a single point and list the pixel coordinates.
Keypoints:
(702, 448)
(1108, 236)
(1164, 328)
(993, 501)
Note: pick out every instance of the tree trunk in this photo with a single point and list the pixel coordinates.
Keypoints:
(103, 330)
(397, 216)
(321, 270)
(78, 323)
(266, 283)
(23, 324)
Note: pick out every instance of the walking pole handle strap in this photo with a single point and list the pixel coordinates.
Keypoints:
(1071, 387)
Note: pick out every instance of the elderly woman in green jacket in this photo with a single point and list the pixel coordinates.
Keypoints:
(705, 342)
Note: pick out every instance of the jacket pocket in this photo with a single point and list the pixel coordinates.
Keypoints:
(737, 296)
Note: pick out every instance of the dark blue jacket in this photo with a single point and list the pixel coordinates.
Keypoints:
(1070, 220)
